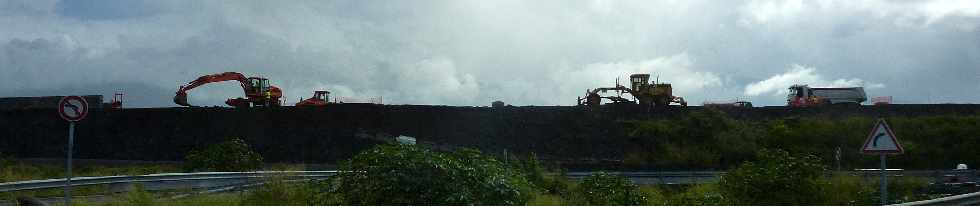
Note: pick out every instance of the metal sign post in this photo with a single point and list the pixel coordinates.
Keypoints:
(71, 142)
(884, 182)
(72, 109)
(882, 141)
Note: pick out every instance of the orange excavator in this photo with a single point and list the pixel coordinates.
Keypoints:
(320, 98)
(116, 102)
(258, 92)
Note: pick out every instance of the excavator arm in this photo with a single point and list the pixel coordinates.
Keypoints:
(181, 97)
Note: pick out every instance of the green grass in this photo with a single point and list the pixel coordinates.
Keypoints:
(56, 192)
(14, 170)
(546, 200)
(274, 192)
(856, 191)
(210, 200)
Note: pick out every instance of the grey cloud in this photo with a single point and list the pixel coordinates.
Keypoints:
(106, 9)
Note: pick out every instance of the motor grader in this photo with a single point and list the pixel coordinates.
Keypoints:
(644, 92)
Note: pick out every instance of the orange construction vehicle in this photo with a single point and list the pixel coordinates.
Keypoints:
(320, 98)
(258, 92)
(116, 101)
(801, 95)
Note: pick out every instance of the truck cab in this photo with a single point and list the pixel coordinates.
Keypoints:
(800, 96)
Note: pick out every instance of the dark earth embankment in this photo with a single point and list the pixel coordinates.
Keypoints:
(336, 132)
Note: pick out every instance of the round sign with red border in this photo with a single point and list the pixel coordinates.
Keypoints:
(73, 108)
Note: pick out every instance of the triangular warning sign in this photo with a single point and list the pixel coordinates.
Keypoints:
(882, 140)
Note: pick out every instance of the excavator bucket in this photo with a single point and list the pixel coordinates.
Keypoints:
(181, 99)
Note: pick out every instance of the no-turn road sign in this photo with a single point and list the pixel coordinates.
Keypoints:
(73, 108)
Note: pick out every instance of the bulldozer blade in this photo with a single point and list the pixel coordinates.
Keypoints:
(181, 100)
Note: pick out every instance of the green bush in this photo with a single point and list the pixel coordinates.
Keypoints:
(906, 189)
(776, 178)
(700, 195)
(546, 200)
(710, 139)
(850, 190)
(607, 189)
(701, 139)
(231, 155)
(411, 175)
(536, 174)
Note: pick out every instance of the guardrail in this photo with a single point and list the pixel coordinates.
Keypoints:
(653, 174)
(232, 177)
(657, 178)
(957, 200)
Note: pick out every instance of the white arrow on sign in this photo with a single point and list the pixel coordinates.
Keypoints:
(882, 140)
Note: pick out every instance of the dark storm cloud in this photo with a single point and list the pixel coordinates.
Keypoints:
(473, 52)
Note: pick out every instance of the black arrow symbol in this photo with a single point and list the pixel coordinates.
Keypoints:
(875, 144)
(73, 108)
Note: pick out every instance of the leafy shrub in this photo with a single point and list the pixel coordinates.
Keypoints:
(607, 189)
(535, 173)
(701, 195)
(776, 178)
(906, 189)
(710, 139)
(851, 190)
(545, 200)
(231, 155)
(701, 139)
(411, 175)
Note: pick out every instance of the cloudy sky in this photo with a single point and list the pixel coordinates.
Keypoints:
(472, 52)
